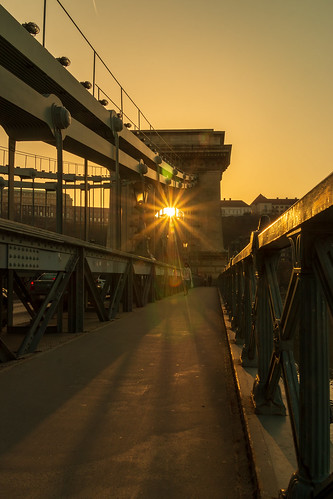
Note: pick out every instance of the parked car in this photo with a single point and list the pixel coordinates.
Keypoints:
(101, 282)
(41, 286)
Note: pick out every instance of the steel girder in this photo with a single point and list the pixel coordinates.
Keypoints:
(28, 73)
(46, 311)
(25, 251)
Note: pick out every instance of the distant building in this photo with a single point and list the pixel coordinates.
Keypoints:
(264, 206)
(33, 202)
(234, 208)
(237, 228)
(260, 206)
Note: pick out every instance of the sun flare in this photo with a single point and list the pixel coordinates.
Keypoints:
(169, 211)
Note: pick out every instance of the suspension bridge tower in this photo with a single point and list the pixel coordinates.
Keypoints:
(203, 156)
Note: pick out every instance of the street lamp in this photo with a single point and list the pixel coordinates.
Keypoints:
(141, 192)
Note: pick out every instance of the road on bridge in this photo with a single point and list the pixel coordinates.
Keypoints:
(142, 407)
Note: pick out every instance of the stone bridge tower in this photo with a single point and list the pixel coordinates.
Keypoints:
(203, 154)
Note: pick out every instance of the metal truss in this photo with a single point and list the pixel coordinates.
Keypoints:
(129, 281)
(42, 101)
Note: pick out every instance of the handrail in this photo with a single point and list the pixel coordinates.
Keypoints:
(120, 108)
(40, 161)
(269, 323)
(152, 144)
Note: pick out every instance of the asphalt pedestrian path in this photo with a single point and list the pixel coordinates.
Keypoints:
(142, 407)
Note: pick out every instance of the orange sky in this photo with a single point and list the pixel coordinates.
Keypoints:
(260, 70)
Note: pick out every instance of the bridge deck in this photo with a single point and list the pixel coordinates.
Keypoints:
(144, 406)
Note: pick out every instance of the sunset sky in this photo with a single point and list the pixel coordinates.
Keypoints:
(261, 70)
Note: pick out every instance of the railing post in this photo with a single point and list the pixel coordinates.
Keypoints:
(44, 22)
(121, 102)
(248, 357)
(264, 339)
(238, 317)
(314, 425)
(233, 297)
(94, 75)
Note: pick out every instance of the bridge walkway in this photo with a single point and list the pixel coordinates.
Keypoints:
(141, 407)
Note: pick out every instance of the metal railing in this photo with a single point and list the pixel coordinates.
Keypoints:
(285, 331)
(136, 118)
(76, 289)
(35, 180)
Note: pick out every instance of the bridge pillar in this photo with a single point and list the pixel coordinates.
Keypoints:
(200, 154)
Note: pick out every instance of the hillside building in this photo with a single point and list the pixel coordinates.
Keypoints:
(232, 207)
(260, 206)
(264, 206)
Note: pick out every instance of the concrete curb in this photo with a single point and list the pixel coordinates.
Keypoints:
(269, 438)
(250, 448)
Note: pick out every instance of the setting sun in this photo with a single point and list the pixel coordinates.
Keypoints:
(169, 211)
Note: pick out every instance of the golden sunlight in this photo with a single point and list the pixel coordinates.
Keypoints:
(169, 211)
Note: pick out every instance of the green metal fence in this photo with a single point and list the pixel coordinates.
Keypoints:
(84, 278)
(277, 326)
